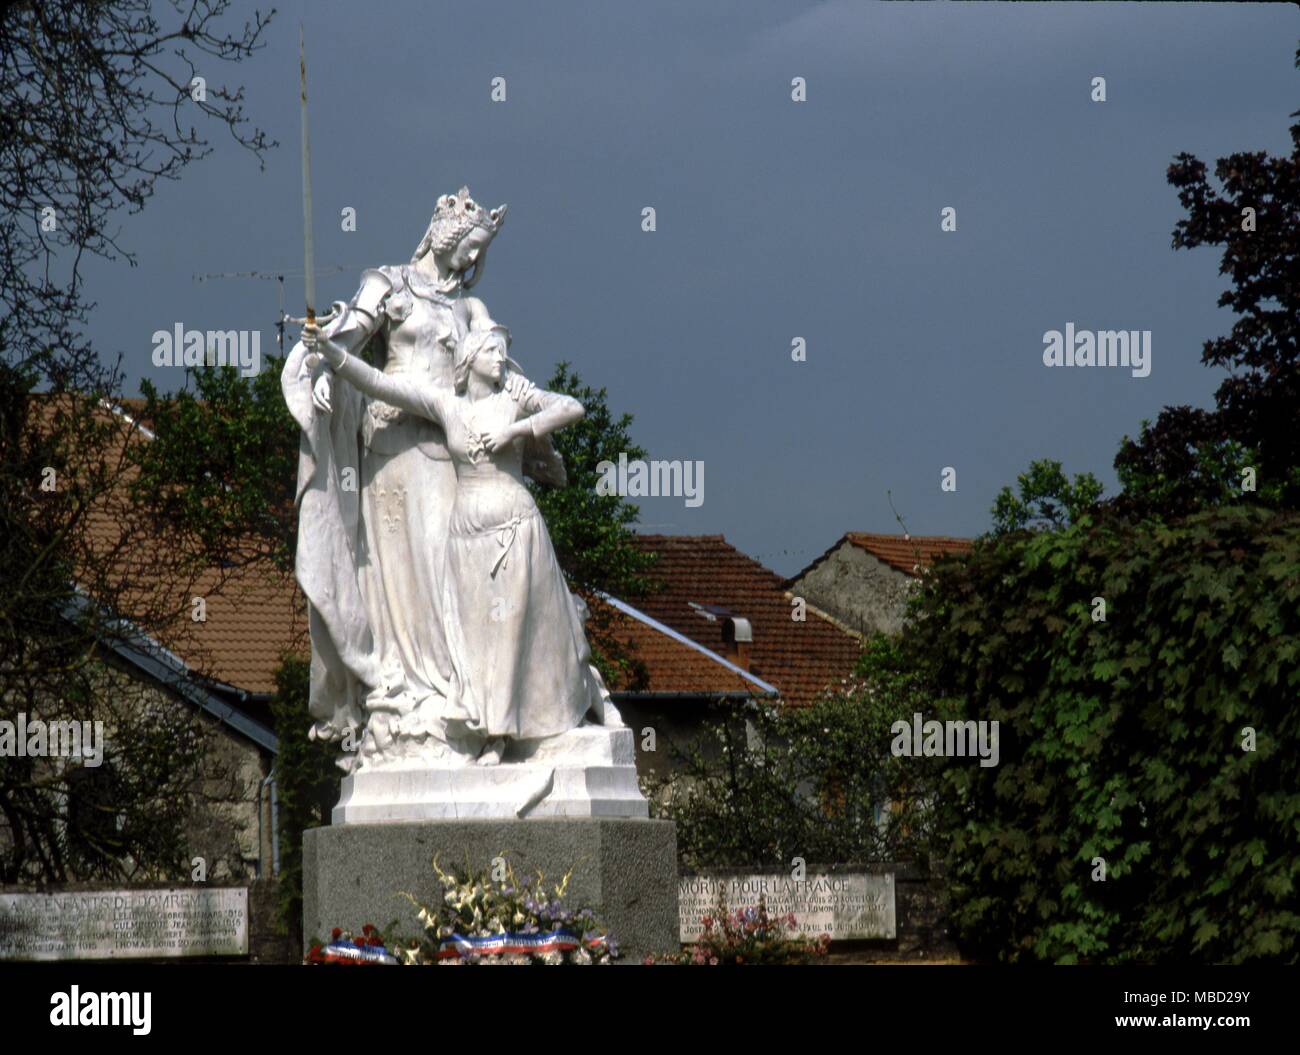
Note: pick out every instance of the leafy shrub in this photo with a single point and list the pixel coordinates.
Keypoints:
(1123, 739)
(816, 782)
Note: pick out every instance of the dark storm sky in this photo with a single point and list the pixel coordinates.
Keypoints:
(775, 220)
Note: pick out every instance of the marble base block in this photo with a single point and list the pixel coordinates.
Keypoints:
(624, 870)
(588, 772)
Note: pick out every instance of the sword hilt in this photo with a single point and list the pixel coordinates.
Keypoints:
(312, 319)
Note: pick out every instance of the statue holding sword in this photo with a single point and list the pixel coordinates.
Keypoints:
(376, 486)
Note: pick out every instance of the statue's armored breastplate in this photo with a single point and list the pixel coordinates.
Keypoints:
(417, 324)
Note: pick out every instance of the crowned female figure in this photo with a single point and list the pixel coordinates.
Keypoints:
(521, 661)
(376, 486)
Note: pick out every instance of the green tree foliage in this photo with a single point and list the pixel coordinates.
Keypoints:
(221, 469)
(1122, 739)
(75, 556)
(307, 782)
(1189, 458)
(592, 532)
(767, 784)
(1132, 649)
(1047, 499)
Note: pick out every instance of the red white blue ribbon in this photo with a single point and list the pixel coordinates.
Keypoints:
(347, 952)
(512, 943)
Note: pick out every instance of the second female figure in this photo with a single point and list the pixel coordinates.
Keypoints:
(521, 661)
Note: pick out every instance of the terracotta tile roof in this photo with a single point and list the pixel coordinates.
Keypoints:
(253, 614)
(905, 553)
(253, 619)
(799, 658)
(672, 666)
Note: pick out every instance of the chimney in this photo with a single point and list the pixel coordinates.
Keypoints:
(737, 636)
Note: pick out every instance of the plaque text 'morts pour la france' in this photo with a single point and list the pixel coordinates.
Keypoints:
(847, 907)
(124, 924)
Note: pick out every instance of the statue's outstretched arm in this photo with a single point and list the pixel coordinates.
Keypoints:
(416, 393)
(355, 325)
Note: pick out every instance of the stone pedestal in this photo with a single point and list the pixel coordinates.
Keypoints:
(587, 772)
(624, 869)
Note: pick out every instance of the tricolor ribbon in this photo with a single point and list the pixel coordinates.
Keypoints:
(513, 943)
(347, 952)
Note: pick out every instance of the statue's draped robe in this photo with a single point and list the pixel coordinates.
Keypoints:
(376, 487)
(522, 663)
(370, 546)
(408, 485)
(344, 662)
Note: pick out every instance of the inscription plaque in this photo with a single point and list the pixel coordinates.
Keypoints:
(124, 924)
(851, 906)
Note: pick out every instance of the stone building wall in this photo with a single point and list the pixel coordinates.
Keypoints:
(229, 822)
(860, 591)
(230, 825)
(229, 817)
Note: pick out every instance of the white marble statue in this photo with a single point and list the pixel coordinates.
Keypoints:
(447, 649)
(520, 659)
(393, 517)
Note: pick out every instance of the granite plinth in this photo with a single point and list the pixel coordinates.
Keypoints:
(624, 869)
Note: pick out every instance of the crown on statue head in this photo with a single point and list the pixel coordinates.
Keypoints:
(461, 207)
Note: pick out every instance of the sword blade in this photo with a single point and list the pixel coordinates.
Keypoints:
(308, 245)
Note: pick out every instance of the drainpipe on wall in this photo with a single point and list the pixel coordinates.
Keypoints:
(261, 785)
(275, 823)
